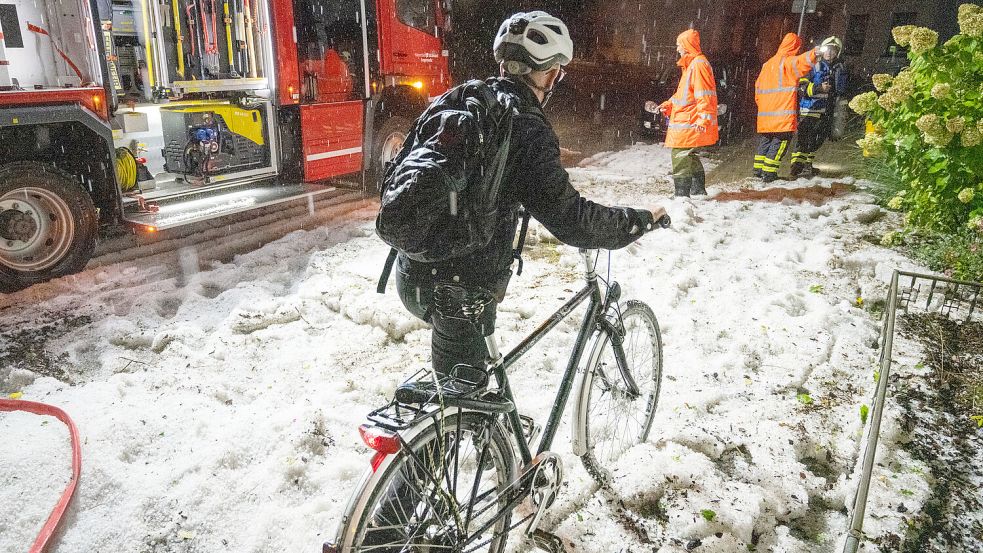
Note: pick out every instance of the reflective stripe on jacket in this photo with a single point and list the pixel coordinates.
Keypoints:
(694, 105)
(776, 86)
(812, 100)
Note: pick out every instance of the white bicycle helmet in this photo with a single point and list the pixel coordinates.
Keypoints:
(532, 41)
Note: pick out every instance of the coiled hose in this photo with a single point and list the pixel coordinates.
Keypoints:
(126, 169)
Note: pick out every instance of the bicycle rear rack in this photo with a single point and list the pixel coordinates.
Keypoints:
(423, 396)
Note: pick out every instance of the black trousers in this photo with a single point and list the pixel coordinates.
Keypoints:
(813, 132)
(455, 339)
(771, 149)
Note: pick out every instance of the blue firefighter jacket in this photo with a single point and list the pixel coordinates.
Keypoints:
(813, 101)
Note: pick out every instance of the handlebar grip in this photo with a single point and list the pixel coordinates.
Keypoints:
(665, 221)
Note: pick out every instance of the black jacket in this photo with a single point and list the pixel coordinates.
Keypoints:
(535, 179)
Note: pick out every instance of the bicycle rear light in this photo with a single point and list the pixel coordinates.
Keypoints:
(378, 439)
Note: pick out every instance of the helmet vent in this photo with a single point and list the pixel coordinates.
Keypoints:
(555, 29)
(537, 37)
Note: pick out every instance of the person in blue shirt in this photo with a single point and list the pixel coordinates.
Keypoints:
(818, 92)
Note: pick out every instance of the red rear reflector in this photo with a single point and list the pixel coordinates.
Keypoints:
(377, 460)
(378, 439)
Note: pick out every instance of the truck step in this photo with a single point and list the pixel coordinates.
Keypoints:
(186, 209)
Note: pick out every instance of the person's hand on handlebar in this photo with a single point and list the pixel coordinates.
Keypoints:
(648, 221)
(660, 217)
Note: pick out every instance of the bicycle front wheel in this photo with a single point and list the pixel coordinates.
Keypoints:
(444, 491)
(610, 419)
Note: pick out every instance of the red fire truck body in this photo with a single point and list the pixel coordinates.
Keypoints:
(159, 113)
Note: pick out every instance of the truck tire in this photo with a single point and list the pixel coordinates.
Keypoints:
(388, 141)
(48, 224)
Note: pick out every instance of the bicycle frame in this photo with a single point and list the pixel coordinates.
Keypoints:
(594, 321)
(591, 291)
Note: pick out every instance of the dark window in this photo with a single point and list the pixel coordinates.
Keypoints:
(856, 35)
(898, 19)
(419, 14)
(329, 47)
(11, 26)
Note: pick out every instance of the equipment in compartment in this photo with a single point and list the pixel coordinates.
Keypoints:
(210, 40)
(132, 172)
(204, 139)
(127, 54)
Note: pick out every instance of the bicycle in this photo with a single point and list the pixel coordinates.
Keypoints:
(444, 476)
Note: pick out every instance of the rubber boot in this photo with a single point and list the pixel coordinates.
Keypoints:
(699, 185)
(682, 186)
(757, 173)
(812, 171)
(797, 169)
(769, 176)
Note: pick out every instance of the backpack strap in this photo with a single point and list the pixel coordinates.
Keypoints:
(386, 271)
(517, 252)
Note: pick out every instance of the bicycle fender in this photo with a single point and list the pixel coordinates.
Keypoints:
(578, 432)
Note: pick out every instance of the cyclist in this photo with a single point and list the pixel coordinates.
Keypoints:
(531, 49)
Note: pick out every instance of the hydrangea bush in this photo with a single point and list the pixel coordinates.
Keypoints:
(927, 124)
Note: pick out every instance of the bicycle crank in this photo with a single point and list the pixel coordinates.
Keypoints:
(544, 487)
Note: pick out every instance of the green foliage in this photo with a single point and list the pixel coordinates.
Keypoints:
(816, 288)
(957, 254)
(927, 128)
(805, 399)
(708, 514)
(864, 411)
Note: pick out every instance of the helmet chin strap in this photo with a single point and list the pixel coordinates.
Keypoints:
(547, 92)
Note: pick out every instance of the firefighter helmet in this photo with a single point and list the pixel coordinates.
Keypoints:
(532, 41)
(835, 42)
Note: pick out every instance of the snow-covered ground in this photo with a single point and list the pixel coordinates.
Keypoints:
(218, 408)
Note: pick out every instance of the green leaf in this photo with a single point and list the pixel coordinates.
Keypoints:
(864, 411)
(816, 288)
(804, 398)
(907, 493)
(708, 514)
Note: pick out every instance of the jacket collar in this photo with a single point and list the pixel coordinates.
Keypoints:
(522, 90)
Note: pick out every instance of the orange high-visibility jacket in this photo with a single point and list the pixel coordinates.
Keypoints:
(776, 87)
(692, 110)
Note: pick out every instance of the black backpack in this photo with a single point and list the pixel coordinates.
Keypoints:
(440, 193)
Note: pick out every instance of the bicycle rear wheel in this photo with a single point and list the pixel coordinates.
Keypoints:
(612, 420)
(439, 491)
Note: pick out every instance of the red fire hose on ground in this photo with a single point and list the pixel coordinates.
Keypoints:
(66, 497)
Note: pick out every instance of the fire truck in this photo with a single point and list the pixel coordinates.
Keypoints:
(151, 114)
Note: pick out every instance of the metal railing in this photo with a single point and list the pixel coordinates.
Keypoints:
(959, 300)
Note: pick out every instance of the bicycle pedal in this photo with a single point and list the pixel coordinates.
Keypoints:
(547, 541)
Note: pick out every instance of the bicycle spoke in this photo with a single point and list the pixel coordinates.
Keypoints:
(617, 420)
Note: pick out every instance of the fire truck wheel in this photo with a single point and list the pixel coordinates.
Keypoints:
(48, 224)
(388, 142)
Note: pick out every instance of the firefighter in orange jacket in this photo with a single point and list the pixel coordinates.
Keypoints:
(692, 113)
(775, 93)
